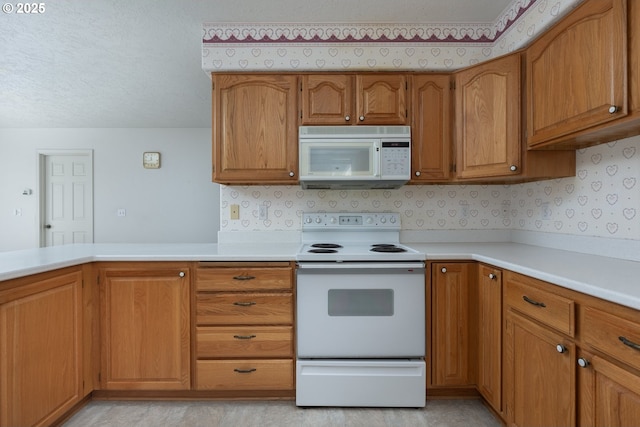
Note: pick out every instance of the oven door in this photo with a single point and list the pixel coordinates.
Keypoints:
(355, 310)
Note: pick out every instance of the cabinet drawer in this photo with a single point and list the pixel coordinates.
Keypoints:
(245, 309)
(612, 335)
(244, 341)
(243, 279)
(244, 374)
(553, 310)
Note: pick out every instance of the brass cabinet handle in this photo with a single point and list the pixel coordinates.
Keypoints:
(244, 304)
(244, 337)
(629, 343)
(492, 276)
(245, 371)
(244, 277)
(532, 302)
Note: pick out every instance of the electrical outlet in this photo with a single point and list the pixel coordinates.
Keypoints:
(545, 211)
(234, 212)
(122, 212)
(506, 205)
(263, 212)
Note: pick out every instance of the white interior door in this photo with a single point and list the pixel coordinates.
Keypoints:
(67, 199)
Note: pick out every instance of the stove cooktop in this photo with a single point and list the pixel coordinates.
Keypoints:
(343, 237)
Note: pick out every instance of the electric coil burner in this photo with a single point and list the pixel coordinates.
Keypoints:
(360, 313)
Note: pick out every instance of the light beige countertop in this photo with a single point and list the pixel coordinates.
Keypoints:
(608, 278)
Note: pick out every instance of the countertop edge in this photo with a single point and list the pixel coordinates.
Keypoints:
(610, 279)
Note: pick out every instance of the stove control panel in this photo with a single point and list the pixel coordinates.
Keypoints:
(344, 220)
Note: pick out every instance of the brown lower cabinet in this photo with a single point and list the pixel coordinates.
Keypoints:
(145, 326)
(244, 328)
(450, 345)
(546, 355)
(570, 359)
(41, 347)
(538, 354)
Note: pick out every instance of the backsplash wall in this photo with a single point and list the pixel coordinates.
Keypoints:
(602, 200)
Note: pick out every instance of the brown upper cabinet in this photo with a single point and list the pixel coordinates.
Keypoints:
(488, 142)
(488, 119)
(255, 128)
(354, 99)
(583, 84)
(431, 128)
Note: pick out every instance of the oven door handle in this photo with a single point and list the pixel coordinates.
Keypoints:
(359, 265)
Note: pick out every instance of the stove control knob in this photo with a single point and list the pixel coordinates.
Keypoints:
(383, 220)
(308, 220)
(369, 220)
(318, 220)
(392, 220)
(333, 220)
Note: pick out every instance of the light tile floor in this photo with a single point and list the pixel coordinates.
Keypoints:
(437, 413)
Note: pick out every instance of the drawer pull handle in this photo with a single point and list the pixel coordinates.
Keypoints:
(628, 343)
(244, 337)
(245, 371)
(244, 304)
(532, 302)
(244, 277)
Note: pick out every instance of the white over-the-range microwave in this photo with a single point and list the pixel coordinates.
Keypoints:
(353, 157)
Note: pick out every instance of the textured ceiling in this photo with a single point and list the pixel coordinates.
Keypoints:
(122, 63)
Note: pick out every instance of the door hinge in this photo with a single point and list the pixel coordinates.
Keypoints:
(452, 85)
(98, 279)
(99, 377)
(213, 85)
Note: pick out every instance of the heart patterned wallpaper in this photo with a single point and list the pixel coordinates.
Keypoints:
(376, 46)
(602, 200)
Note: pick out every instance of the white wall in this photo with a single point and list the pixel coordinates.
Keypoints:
(176, 203)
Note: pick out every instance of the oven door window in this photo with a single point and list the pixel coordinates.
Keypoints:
(360, 302)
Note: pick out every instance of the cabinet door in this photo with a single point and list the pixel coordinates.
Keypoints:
(488, 119)
(539, 375)
(490, 335)
(327, 99)
(450, 351)
(41, 351)
(255, 129)
(381, 99)
(609, 394)
(577, 72)
(145, 328)
(431, 128)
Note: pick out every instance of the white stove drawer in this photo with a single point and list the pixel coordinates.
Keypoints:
(372, 383)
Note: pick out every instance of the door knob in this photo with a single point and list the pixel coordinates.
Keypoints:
(48, 226)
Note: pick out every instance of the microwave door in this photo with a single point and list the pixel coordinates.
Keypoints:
(355, 160)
